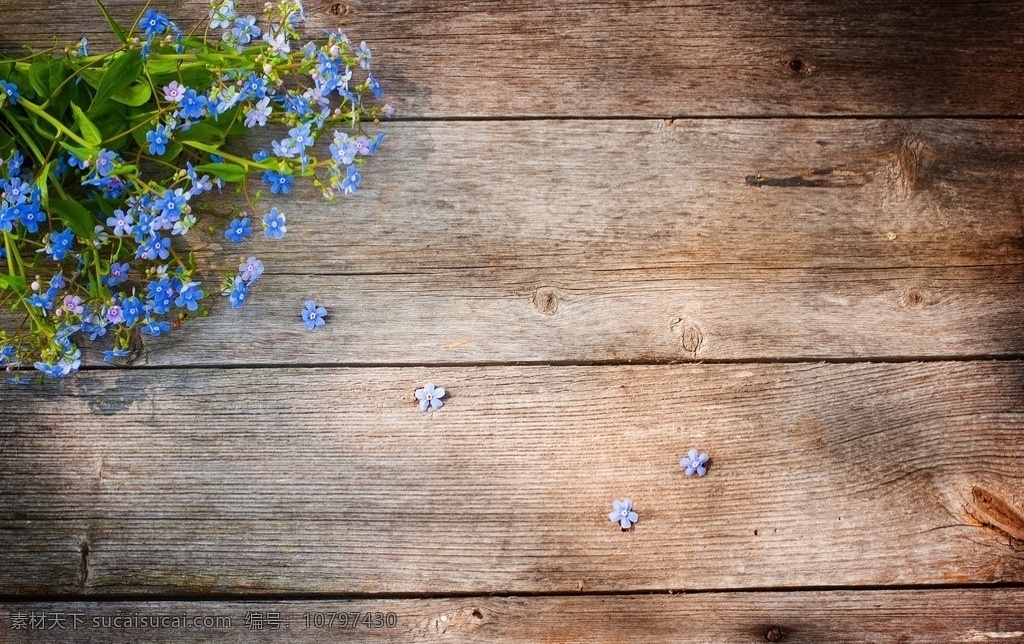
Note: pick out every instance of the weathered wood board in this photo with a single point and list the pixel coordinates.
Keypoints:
(580, 317)
(883, 617)
(884, 240)
(846, 188)
(441, 58)
(695, 194)
(333, 480)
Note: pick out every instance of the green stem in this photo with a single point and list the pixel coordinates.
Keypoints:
(246, 163)
(10, 248)
(24, 135)
(38, 111)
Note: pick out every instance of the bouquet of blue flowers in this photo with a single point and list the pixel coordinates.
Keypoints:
(104, 155)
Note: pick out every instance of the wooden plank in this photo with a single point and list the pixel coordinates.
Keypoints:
(979, 615)
(471, 247)
(490, 316)
(332, 480)
(626, 194)
(625, 58)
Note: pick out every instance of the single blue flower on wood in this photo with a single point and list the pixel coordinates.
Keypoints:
(279, 182)
(155, 328)
(110, 355)
(693, 463)
(352, 180)
(238, 230)
(430, 396)
(274, 224)
(623, 513)
(313, 315)
(250, 270)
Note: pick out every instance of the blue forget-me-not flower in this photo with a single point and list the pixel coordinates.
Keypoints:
(693, 463)
(430, 396)
(623, 513)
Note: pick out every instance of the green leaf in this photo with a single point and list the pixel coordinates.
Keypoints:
(116, 28)
(125, 69)
(81, 153)
(14, 283)
(92, 76)
(135, 95)
(90, 132)
(44, 190)
(39, 76)
(230, 172)
(173, 150)
(202, 132)
(124, 169)
(157, 64)
(75, 216)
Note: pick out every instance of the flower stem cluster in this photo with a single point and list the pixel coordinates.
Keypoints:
(105, 156)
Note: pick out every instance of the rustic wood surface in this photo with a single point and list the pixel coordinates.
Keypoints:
(949, 616)
(651, 58)
(695, 194)
(886, 239)
(485, 317)
(569, 189)
(333, 480)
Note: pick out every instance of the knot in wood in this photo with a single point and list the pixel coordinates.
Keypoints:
(916, 298)
(690, 335)
(796, 65)
(545, 300)
(775, 634)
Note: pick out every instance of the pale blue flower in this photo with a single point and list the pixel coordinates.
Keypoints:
(250, 270)
(239, 291)
(430, 396)
(693, 463)
(110, 355)
(313, 315)
(259, 113)
(245, 30)
(623, 514)
(222, 13)
(274, 224)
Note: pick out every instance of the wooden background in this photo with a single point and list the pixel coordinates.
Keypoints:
(790, 235)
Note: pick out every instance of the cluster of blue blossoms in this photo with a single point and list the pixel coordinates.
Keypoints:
(129, 275)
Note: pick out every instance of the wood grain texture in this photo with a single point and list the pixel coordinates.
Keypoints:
(686, 193)
(332, 480)
(501, 316)
(542, 241)
(882, 617)
(622, 58)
